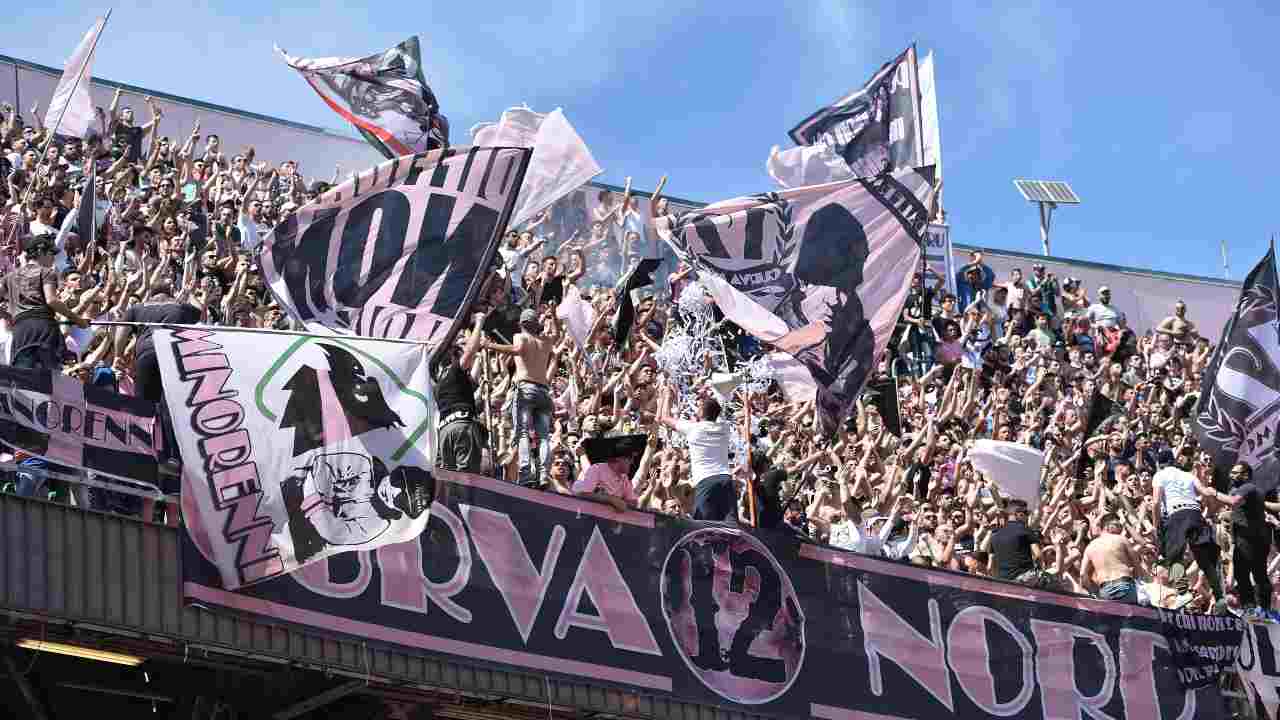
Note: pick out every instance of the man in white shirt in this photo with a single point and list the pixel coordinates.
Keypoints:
(1175, 509)
(714, 495)
(1102, 313)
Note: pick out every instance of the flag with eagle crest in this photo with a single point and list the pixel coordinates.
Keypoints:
(819, 272)
(295, 448)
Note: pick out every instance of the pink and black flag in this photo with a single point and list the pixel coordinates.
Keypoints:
(819, 272)
(874, 128)
(385, 96)
(400, 250)
(69, 422)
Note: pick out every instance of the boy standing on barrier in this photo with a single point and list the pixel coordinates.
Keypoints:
(1176, 511)
(533, 406)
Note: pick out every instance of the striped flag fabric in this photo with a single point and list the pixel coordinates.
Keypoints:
(400, 250)
(384, 96)
(65, 421)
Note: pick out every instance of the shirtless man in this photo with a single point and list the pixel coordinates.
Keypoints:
(1177, 325)
(533, 407)
(1109, 564)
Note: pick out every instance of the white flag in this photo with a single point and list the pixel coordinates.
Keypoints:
(806, 165)
(1014, 467)
(931, 142)
(71, 109)
(561, 161)
(297, 447)
(796, 380)
(578, 316)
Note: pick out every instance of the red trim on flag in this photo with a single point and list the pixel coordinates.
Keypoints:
(380, 133)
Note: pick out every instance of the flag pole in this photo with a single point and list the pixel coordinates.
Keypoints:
(746, 436)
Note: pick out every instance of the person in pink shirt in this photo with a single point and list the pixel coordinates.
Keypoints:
(610, 475)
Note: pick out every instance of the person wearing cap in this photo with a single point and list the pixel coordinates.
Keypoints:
(1043, 291)
(533, 406)
(1103, 314)
(609, 476)
(32, 292)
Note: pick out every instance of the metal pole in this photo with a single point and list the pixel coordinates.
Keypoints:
(1046, 216)
(746, 436)
(1226, 270)
(488, 414)
(17, 90)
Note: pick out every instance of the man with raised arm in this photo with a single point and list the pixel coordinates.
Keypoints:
(533, 406)
(1109, 564)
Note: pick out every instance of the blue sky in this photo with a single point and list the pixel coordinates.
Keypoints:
(1162, 117)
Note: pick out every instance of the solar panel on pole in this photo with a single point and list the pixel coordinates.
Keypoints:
(1047, 194)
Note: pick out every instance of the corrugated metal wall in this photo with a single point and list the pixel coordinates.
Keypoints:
(118, 573)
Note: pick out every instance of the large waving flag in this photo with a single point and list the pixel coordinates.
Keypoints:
(1236, 417)
(819, 272)
(561, 162)
(71, 109)
(385, 96)
(400, 250)
(306, 448)
(872, 129)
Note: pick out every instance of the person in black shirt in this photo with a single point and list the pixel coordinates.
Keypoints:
(1017, 548)
(1251, 538)
(768, 482)
(462, 438)
(163, 310)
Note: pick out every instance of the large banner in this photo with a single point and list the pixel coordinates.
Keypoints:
(69, 422)
(296, 447)
(819, 272)
(702, 612)
(1238, 413)
(398, 250)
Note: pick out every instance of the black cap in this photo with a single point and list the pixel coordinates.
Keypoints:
(605, 449)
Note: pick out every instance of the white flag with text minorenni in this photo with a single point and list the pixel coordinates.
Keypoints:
(819, 272)
(296, 448)
(400, 250)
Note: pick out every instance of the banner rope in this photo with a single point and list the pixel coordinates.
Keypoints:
(262, 331)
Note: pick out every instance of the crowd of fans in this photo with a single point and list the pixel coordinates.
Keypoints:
(1025, 358)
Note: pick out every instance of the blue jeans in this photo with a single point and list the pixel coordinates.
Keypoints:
(1121, 590)
(533, 411)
